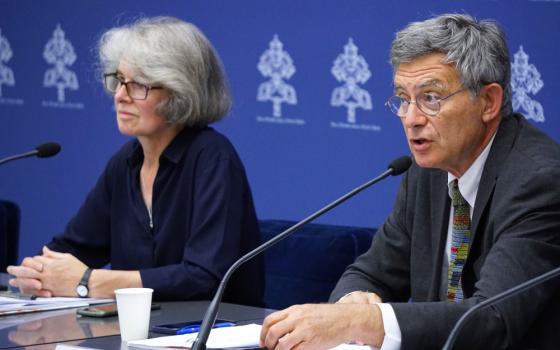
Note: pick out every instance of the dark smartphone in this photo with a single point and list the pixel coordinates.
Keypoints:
(190, 326)
(104, 310)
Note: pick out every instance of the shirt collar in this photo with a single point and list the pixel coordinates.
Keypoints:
(468, 184)
(173, 152)
(136, 155)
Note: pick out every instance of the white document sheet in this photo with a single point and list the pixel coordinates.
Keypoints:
(229, 337)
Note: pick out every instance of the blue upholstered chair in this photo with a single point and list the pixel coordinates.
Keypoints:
(305, 267)
(9, 234)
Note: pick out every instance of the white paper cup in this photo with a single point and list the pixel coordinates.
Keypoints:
(134, 306)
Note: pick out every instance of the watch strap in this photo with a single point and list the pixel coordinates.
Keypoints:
(85, 278)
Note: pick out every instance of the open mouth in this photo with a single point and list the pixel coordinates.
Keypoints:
(419, 142)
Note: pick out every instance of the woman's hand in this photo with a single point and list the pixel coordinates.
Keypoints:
(47, 275)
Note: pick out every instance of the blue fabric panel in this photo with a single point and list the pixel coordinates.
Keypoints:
(317, 149)
(305, 267)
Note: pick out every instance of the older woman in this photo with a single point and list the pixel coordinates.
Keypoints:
(173, 208)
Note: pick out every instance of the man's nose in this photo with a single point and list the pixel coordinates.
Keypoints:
(414, 116)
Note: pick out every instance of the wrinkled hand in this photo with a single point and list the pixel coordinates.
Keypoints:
(61, 272)
(28, 277)
(51, 274)
(360, 298)
(322, 326)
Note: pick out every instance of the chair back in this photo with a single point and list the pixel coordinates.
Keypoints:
(9, 234)
(305, 267)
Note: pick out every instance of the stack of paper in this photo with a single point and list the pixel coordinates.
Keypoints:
(220, 338)
(228, 337)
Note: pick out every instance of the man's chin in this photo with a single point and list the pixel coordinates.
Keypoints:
(425, 162)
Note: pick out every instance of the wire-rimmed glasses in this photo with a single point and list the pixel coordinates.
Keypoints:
(428, 103)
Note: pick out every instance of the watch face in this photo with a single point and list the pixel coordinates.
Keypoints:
(82, 290)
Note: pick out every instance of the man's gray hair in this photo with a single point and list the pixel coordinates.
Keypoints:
(168, 52)
(477, 48)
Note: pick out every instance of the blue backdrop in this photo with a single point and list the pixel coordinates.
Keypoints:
(302, 147)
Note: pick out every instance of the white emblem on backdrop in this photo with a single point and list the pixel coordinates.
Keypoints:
(275, 63)
(6, 74)
(351, 69)
(60, 53)
(525, 80)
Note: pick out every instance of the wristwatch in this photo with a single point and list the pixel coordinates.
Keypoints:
(82, 288)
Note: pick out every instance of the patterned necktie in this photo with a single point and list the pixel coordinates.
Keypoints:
(460, 243)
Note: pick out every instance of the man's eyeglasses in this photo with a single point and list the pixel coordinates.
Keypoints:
(135, 90)
(428, 103)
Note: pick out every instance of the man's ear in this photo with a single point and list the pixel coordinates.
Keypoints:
(491, 95)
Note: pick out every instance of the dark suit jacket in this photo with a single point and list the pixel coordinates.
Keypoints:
(516, 236)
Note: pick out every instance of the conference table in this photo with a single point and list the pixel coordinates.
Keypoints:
(47, 329)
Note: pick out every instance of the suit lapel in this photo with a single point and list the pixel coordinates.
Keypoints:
(505, 137)
(440, 221)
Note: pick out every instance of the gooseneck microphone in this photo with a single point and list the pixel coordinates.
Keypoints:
(396, 167)
(44, 150)
(496, 299)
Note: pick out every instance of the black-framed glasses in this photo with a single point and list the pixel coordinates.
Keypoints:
(428, 103)
(135, 90)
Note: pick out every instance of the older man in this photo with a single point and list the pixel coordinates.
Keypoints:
(477, 213)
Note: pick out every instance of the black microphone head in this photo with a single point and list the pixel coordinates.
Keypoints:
(400, 165)
(48, 149)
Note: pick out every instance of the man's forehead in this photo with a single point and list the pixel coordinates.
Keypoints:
(427, 70)
(429, 82)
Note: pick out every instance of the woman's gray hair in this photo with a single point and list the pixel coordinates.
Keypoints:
(477, 48)
(168, 52)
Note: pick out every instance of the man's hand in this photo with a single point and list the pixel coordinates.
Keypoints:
(360, 298)
(322, 326)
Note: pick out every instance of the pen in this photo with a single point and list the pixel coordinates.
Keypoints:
(18, 295)
(196, 327)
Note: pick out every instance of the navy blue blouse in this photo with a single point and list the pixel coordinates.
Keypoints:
(203, 220)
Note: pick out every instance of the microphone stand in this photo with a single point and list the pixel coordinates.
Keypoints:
(212, 311)
(44, 150)
(497, 298)
(19, 156)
